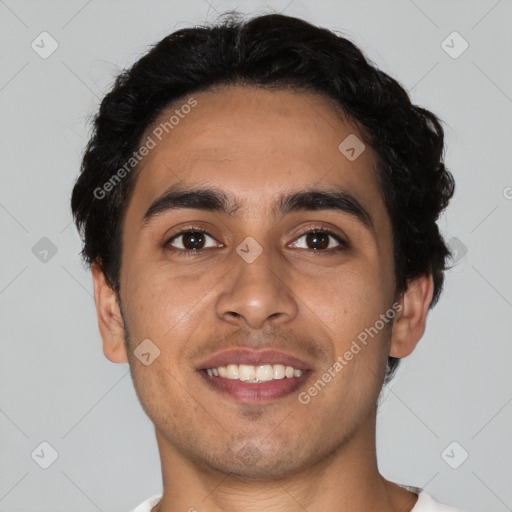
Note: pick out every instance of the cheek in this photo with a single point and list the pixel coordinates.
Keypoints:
(163, 303)
(350, 304)
(353, 295)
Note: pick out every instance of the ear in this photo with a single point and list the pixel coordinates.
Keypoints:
(110, 320)
(409, 323)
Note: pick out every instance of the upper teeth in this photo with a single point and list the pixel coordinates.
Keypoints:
(249, 373)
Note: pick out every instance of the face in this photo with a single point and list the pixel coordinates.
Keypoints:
(253, 273)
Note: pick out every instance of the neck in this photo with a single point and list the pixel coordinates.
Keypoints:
(347, 480)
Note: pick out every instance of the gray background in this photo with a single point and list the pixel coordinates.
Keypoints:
(56, 385)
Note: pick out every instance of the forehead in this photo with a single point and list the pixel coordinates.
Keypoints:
(256, 143)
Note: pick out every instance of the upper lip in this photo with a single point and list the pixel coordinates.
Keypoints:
(252, 357)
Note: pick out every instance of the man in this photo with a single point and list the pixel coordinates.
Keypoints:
(258, 204)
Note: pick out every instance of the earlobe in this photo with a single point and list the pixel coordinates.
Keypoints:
(110, 320)
(409, 323)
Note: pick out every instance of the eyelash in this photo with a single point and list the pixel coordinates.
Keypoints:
(317, 229)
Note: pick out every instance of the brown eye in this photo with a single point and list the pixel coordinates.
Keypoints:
(191, 240)
(319, 240)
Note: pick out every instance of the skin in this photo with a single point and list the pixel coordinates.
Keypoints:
(257, 145)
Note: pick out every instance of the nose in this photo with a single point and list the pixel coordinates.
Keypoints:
(257, 293)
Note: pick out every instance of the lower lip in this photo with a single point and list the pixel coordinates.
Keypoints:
(255, 392)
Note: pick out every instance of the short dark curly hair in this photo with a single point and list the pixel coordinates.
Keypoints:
(280, 52)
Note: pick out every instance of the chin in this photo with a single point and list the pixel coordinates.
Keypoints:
(259, 464)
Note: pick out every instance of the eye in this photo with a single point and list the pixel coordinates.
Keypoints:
(320, 239)
(192, 240)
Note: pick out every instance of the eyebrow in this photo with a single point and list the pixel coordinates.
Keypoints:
(215, 200)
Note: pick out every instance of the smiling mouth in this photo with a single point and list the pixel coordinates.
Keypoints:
(252, 376)
(255, 384)
(255, 374)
